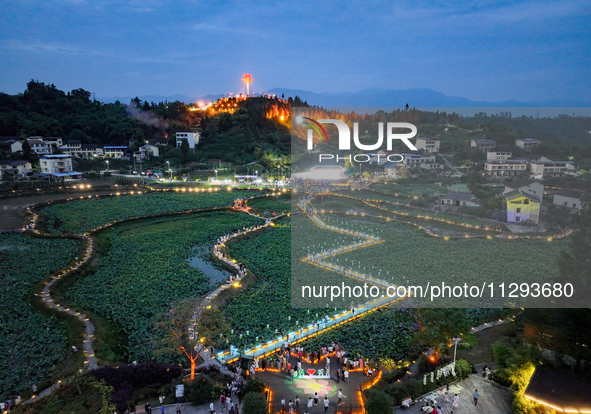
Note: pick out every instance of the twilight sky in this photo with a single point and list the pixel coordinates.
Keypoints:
(486, 50)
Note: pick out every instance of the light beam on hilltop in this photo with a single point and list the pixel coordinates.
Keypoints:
(247, 79)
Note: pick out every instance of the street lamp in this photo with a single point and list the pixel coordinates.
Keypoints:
(216, 175)
(169, 170)
(107, 165)
(456, 340)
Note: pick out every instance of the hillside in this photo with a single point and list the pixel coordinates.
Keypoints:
(254, 128)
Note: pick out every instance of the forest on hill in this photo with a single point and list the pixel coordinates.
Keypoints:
(255, 128)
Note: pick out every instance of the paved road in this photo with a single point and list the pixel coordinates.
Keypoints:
(451, 167)
(492, 400)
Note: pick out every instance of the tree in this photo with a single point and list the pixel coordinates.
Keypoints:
(378, 402)
(201, 390)
(255, 386)
(439, 326)
(367, 175)
(27, 151)
(254, 403)
(574, 264)
(175, 335)
(185, 148)
(403, 173)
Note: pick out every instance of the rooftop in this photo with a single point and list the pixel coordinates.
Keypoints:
(558, 389)
(459, 196)
(49, 156)
(570, 193)
(520, 183)
(511, 195)
(429, 139)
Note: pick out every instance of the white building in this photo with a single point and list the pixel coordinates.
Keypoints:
(38, 146)
(91, 151)
(58, 165)
(18, 168)
(526, 185)
(322, 173)
(55, 142)
(191, 137)
(414, 160)
(498, 155)
(393, 170)
(459, 199)
(146, 151)
(427, 144)
(114, 151)
(571, 199)
(552, 168)
(527, 143)
(485, 145)
(504, 168)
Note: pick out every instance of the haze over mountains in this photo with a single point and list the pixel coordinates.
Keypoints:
(375, 97)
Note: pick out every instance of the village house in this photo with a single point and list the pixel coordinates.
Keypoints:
(522, 206)
(485, 145)
(38, 146)
(18, 168)
(392, 170)
(459, 199)
(527, 143)
(571, 198)
(539, 169)
(505, 168)
(427, 144)
(161, 141)
(527, 185)
(191, 137)
(498, 155)
(146, 151)
(114, 151)
(421, 160)
(58, 165)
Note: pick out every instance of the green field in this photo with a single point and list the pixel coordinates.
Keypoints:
(146, 270)
(410, 256)
(268, 300)
(459, 188)
(390, 331)
(344, 205)
(410, 189)
(30, 344)
(79, 216)
(271, 205)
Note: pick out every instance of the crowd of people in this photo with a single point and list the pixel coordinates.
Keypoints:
(230, 399)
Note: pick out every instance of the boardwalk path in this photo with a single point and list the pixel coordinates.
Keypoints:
(320, 259)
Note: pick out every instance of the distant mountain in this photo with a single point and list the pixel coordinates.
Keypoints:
(374, 97)
(377, 97)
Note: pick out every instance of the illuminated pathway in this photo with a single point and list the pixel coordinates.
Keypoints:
(89, 357)
(333, 321)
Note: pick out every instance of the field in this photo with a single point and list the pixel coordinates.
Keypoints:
(410, 256)
(146, 270)
(79, 216)
(41, 341)
(410, 189)
(404, 213)
(390, 331)
(268, 301)
(459, 188)
(268, 206)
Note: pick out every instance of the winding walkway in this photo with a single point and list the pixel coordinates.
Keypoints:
(90, 361)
